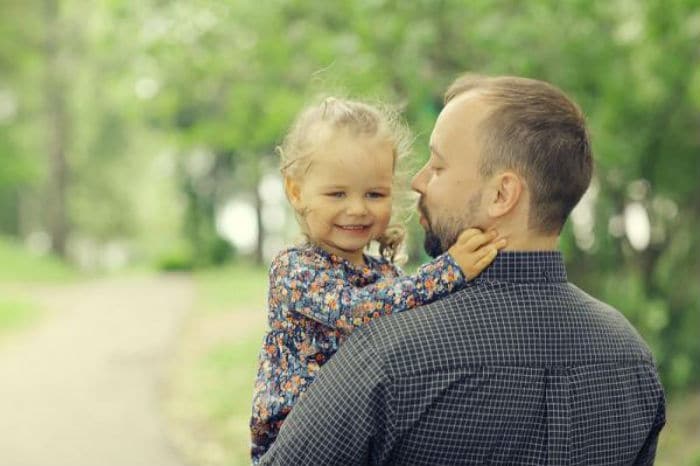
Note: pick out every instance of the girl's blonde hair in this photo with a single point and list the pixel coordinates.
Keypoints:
(362, 120)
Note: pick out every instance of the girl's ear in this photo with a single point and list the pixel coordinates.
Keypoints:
(293, 191)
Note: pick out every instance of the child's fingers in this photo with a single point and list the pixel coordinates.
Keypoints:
(488, 257)
(488, 250)
(500, 244)
(467, 235)
(476, 241)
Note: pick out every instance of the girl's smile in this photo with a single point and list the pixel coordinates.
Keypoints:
(355, 228)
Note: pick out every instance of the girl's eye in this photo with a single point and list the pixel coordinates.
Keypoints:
(375, 195)
(336, 194)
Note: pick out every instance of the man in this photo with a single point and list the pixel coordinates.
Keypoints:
(520, 367)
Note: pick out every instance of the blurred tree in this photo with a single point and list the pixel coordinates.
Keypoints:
(212, 87)
(18, 170)
(55, 88)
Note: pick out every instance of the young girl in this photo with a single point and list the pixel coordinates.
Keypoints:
(338, 163)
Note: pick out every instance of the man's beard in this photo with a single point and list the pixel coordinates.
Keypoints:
(442, 234)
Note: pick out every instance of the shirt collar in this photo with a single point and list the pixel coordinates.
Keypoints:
(520, 266)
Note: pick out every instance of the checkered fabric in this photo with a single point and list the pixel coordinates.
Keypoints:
(519, 368)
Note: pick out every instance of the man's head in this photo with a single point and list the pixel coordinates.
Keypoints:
(507, 153)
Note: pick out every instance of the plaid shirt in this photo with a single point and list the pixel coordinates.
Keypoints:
(520, 367)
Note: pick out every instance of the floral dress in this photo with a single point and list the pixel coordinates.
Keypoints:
(316, 299)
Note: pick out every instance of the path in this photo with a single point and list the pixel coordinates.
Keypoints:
(83, 388)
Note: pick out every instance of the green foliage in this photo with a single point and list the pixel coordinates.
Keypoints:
(238, 285)
(17, 265)
(173, 108)
(15, 314)
(180, 260)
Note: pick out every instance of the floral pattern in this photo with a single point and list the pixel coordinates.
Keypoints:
(316, 299)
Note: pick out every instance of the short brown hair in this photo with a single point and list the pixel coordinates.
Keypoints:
(536, 130)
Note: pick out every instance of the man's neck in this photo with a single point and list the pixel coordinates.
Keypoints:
(529, 242)
(548, 245)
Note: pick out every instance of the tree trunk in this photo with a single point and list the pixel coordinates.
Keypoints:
(57, 132)
(258, 204)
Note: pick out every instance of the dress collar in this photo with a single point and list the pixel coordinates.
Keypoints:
(370, 272)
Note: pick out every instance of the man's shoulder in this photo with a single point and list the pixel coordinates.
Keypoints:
(408, 342)
(615, 325)
(505, 324)
(463, 308)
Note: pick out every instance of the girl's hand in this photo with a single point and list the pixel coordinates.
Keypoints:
(475, 250)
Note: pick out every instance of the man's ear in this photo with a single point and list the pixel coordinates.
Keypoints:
(508, 189)
(293, 191)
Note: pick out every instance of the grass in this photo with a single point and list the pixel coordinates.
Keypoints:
(17, 264)
(216, 376)
(679, 443)
(213, 383)
(235, 286)
(16, 313)
(229, 397)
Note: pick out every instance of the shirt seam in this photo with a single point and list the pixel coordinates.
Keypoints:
(436, 370)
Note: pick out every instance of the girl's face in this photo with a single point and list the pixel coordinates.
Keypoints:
(345, 195)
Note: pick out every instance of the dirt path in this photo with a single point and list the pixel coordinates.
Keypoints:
(84, 387)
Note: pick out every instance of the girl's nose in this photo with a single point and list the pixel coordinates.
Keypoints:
(357, 207)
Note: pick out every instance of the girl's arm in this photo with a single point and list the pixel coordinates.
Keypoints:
(321, 291)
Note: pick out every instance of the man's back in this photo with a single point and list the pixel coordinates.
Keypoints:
(521, 367)
(526, 369)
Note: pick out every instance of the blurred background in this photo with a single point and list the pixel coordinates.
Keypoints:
(137, 144)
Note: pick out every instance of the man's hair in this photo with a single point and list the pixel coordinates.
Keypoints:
(534, 129)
